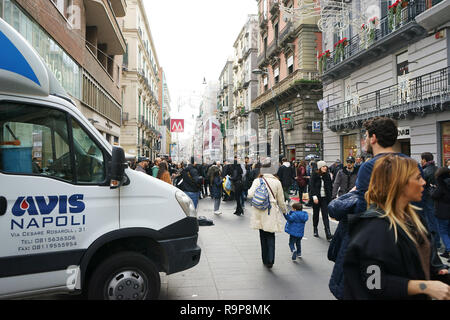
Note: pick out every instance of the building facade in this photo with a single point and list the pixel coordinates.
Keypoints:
(225, 102)
(289, 85)
(245, 88)
(140, 131)
(82, 44)
(395, 63)
(164, 114)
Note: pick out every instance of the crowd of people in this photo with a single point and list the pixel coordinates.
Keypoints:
(393, 212)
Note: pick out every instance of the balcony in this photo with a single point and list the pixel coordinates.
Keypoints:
(424, 94)
(263, 21)
(119, 7)
(289, 86)
(100, 14)
(436, 16)
(274, 8)
(383, 41)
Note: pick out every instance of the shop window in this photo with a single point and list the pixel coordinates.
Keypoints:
(349, 147)
(445, 142)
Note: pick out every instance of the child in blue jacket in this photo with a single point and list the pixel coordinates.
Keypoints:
(295, 227)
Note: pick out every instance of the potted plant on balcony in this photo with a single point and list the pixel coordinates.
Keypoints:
(339, 49)
(323, 57)
(395, 13)
(371, 29)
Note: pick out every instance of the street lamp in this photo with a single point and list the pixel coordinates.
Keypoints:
(265, 72)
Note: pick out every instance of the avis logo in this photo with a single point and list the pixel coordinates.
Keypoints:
(39, 205)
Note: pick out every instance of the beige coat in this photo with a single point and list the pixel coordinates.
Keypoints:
(260, 219)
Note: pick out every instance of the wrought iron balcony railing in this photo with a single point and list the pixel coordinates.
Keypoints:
(385, 28)
(420, 95)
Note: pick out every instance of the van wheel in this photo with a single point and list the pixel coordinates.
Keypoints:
(125, 276)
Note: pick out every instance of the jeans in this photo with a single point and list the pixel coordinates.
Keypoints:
(243, 199)
(194, 197)
(267, 246)
(444, 232)
(217, 204)
(295, 242)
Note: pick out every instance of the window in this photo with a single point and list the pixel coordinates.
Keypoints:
(276, 74)
(275, 33)
(88, 157)
(63, 6)
(34, 140)
(290, 64)
(349, 147)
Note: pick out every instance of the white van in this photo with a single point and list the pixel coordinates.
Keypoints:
(73, 217)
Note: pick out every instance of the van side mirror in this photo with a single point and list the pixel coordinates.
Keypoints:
(118, 165)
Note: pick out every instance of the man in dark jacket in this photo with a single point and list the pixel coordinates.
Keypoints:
(429, 171)
(191, 182)
(236, 179)
(345, 179)
(286, 174)
(441, 197)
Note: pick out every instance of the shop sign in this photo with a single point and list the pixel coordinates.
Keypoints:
(316, 126)
(404, 133)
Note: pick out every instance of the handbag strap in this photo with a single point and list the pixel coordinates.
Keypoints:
(270, 189)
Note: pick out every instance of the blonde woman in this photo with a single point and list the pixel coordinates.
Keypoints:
(390, 255)
(268, 221)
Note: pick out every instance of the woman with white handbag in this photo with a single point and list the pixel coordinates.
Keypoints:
(267, 221)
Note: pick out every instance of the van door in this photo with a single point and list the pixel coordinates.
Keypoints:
(53, 177)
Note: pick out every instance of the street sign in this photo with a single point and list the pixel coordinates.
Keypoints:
(316, 126)
(177, 125)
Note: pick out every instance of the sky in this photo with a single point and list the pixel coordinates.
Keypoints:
(193, 40)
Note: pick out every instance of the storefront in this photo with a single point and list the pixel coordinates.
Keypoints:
(403, 144)
(349, 146)
(445, 142)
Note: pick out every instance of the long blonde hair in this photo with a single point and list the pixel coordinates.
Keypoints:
(390, 176)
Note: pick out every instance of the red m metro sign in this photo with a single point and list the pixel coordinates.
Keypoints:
(177, 125)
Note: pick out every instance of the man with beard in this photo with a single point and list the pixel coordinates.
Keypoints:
(380, 137)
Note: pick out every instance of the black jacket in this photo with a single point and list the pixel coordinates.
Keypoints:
(286, 176)
(429, 170)
(191, 179)
(316, 182)
(236, 174)
(372, 244)
(441, 195)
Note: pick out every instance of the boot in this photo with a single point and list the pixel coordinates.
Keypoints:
(328, 234)
(316, 232)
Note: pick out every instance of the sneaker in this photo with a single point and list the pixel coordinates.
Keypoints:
(299, 254)
(217, 213)
(446, 254)
(294, 255)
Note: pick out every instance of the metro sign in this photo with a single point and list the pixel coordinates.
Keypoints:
(177, 125)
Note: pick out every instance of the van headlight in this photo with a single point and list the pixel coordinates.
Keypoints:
(186, 204)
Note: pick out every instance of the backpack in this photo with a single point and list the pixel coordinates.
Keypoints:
(261, 199)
